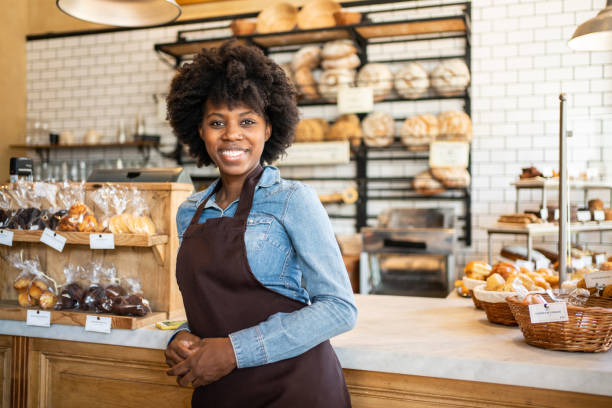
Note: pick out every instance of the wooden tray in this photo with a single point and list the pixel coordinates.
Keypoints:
(10, 310)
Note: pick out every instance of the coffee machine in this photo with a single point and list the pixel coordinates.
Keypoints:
(20, 169)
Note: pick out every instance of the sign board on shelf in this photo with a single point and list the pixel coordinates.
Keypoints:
(355, 100)
(449, 154)
(306, 154)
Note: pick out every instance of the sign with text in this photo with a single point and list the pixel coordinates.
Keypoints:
(355, 100)
(102, 241)
(53, 239)
(99, 324)
(39, 318)
(6, 237)
(449, 154)
(548, 313)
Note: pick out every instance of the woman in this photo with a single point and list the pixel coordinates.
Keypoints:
(261, 275)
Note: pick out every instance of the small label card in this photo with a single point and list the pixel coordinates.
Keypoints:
(6, 237)
(53, 239)
(548, 313)
(100, 324)
(600, 258)
(102, 241)
(544, 214)
(38, 318)
(449, 154)
(355, 100)
(583, 216)
(599, 215)
(600, 278)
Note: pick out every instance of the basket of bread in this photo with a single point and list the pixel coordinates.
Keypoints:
(475, 274)
(506, 280)
(585, 322)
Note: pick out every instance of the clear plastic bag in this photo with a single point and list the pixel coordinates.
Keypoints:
(71, 293)
(95, 298)
(33, 286)
(132, 304)
(135, 219)
(112, 200)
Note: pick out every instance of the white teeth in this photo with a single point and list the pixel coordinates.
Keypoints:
(232, 153)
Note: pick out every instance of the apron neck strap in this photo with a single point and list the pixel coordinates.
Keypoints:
(246, 196)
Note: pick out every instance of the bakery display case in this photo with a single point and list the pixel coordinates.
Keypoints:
(325, 58)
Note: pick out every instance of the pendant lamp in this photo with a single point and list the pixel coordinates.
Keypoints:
(122, 13)
(594, 34)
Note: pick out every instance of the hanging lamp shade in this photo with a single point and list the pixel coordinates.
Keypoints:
(594, 34)
(122, 13)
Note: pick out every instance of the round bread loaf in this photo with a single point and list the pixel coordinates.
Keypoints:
(333, 79)
(420, 130)
(349, 62)
(450, 77)
(306, 57)
(346, 130)
(596, 205)
(317, 14)
(455, 124)
(348, 117)
(242, 27)
(425, 184)
(377, 76)
(412, 80)
(309, 130)
(338, 49)
(347, 17)
(277, 18)
(305, 82)
(378, 129)
(452, 177)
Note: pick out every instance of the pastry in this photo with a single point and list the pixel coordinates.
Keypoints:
(47, 300)
(333, 79)
(71, 296)
(276, 18)
(530, 172)
(243, 27)
(306, 57)
(495, 282)
(608, 214)
(521, 218)
(348, 117)
(425, 184)
(456, 125)
(378, 129)
(452, 177)
(145, 225)
(22, 283)
(450, 77)
(306, 83)
(607, 292)
(349, 62)
(411, 81)
(309, 130)
(317, 14)
(377, 76)
(25, 300)
(419, 130)
(606, 266)
(75, 216)
(505, 269)
(346, 130)
(34, 292)
(114, 291)
(477, 270)
(338, 49)
(596, 205)
(347, 17)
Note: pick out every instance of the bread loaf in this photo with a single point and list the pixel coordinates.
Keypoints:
(419, 130)
(317, 14)
(333, 79)
(425, 184)
(452, 177)
(412, 80)
(450, 77)
(349, 62)
(309, 130)
(277, 18)
(378, 129)
(379, 77)
(338, 49)
(455, 125)
(306, 57)
(346, 130)
(305, 82)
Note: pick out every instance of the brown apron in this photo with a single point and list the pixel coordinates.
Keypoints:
(221, 296)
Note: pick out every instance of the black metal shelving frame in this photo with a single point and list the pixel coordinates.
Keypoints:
(362, 154)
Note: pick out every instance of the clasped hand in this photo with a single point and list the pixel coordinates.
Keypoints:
(199, 361)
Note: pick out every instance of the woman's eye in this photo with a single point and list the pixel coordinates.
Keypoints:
(216, 123)
(248, 122)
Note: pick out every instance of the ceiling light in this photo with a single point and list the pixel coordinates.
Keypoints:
(594, 34)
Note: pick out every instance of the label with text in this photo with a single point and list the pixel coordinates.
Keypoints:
(600, 258)
(100, 324)
(102, 241)
(6, 237)
(53, 239)
(449, 154)
(583, 216)
(355, 100)
(599, 215)
(39, 318)
(601, 278)
(548, 313)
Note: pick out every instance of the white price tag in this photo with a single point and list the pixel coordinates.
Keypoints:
(594, 279)
(449, 154)
(6, 237)
(584, 216)
(599, 215)
(548, 313)
(53, 239)
(578, 263)
(38, 318)
(101, 241)
(355, 100)
(542, 263)
(600, 258)
(100, 324)
(544, 214)
(556, 216)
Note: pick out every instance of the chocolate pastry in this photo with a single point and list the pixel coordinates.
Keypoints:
(530, 172)
(95, 299)
(133, 305)
(114, 291)
(71, 296)
(4, 217)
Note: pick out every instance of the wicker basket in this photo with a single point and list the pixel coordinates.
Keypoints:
(499, 313)
(589, 328)
(476, 301)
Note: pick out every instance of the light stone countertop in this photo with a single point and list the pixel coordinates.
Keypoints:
(444, 338)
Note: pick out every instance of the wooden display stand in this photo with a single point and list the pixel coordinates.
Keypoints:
(148, 258)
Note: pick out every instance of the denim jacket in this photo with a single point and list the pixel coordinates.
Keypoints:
(291, 250)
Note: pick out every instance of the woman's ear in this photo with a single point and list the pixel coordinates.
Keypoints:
(268, 131)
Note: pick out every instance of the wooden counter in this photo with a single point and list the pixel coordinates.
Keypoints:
(404, 352)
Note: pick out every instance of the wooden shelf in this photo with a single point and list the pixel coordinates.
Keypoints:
(85, 146)
(10, 310)
(82, 238)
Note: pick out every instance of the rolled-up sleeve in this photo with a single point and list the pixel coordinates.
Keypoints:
(332, 309)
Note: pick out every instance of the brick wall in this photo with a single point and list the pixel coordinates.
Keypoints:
(520, 63)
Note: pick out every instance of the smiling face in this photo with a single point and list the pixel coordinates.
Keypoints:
(234, 138)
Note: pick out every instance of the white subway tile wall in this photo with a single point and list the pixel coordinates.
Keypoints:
(520, 64)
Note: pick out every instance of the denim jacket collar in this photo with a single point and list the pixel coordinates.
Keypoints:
(270, 176)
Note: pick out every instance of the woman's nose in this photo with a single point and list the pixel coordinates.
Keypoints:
(233, 131)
